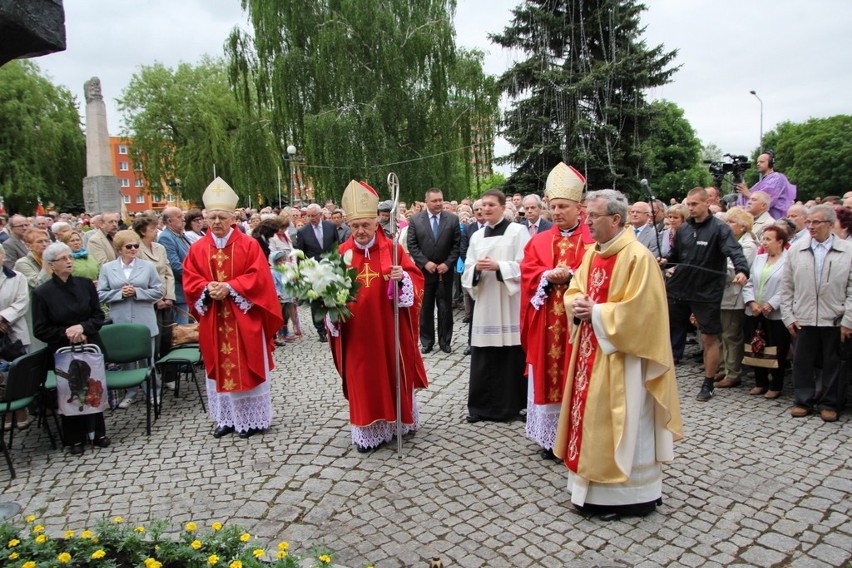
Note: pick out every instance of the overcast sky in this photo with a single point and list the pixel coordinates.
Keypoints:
(790, 52)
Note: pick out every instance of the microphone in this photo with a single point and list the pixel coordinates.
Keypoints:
(644, 184)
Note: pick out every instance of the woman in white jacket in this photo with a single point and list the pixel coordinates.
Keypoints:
(762, 297)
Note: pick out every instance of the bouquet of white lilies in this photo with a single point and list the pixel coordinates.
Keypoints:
(328, 283)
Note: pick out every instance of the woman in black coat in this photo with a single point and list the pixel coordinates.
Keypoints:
(66, 311)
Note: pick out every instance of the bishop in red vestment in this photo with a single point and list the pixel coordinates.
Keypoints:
(550, 259)
(363, 346)
(229, 288)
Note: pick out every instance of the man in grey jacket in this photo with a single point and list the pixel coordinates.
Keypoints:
(816, 306)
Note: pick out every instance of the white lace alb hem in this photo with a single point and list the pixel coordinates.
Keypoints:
(242, 410)
(542, 422)
(382, 432)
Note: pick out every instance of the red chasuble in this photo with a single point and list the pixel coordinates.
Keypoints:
(544, 332)
(364, 350)
(230, 339)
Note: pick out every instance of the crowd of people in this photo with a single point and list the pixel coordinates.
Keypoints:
(563, 295)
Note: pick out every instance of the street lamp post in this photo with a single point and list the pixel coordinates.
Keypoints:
(291, 150)
(761, 122)
(761, 119)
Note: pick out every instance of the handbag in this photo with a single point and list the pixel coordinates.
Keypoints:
(10, 349)
(757, 353)
(81, 386)
(183, 333)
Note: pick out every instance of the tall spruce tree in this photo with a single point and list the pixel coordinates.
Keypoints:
(579, 96)
(359, 84)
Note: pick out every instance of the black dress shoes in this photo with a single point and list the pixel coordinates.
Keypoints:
(222, 431)
(467, 350)
(102, 442)
(548, 455)
(474, 418)
(466, 319)
(323, 338)
(446, 349)
(249, 433)
(363, 449)
(76, 450)
(426, 350)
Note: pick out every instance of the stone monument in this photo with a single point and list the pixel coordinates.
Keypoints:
(101, 190)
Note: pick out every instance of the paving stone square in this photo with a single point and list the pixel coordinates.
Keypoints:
(749, 486)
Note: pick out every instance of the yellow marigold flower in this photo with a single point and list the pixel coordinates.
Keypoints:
(245, 537)
(325, 559)
(14, 542)
(13, 556)
(95, 539)
(140, 529)
(217, 526)
(281, 554)
(31, 518)
(29, 564)
(258, 552)
(212, 560)
(283, 545)
(151, 563)
(69, 534)
(64, 558)
(87, 534)
(235, 564)
(118, 520)
(98, 554)
(195, 544)
(191, 527)
(38, 528)
(41, 539)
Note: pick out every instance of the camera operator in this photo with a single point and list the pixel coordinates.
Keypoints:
(781, 192)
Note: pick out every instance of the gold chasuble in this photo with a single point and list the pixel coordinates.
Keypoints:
(621, 378)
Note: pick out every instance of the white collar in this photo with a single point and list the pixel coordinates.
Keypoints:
(366, 248)
(221, 242)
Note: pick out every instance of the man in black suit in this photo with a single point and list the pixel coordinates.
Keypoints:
(433, 244)
(532, 215)
(314, 238)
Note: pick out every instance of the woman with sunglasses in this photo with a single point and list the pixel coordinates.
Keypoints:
(130, 287)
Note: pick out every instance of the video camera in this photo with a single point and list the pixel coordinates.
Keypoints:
(734, 165)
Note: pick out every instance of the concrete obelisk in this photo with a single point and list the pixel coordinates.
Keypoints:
(101, 193)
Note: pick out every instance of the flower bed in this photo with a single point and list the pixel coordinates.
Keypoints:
(115, 543)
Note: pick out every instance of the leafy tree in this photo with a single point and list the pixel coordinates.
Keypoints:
(815, 155)
(672, 153)
(42, 146)
(579, 95)
(366, 87)
(186, 121)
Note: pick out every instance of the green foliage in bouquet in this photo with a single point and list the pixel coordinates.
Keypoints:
(329, 284)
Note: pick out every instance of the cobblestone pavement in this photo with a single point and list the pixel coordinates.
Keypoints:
(750, 486)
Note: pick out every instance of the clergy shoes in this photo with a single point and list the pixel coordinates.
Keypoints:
(474, 418)
(467, 350)
(222, 431)
(249, 433)
(426, 350)
(446, 349)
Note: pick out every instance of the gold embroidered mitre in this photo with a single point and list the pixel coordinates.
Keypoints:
(360, 201)
(564, 182)
(220, 196)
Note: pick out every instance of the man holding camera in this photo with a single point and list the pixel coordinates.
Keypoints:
(775, 184)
